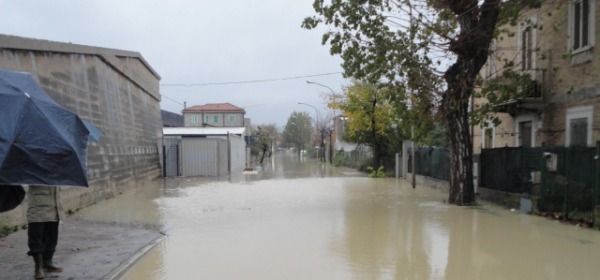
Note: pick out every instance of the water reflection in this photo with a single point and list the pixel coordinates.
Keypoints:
(302, 220)
(290, 165)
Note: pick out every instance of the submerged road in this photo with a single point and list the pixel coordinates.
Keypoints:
(305, 220)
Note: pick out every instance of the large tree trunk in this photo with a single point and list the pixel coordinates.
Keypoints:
(477, 26)
(460, 145)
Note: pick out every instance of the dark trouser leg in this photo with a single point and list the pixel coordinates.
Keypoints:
(35, 238)
(50, 237)
(50, 241)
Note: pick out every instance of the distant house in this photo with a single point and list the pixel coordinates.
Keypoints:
(339, 132)
(214, 115)
(204, 151)
(209, 142)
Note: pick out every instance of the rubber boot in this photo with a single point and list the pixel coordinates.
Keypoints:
(39, 266)
(49, 265)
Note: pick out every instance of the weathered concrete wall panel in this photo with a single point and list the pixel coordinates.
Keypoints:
(116, 93)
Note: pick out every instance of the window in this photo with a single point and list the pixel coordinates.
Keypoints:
(194, 118)
(581, 25)
(579, 126)
(578, 133)
(232, 119)
(525, 134)
(490, 66)
(215, 119)
(488, 137)
(206, 119)
(527, 44)
(526, 49)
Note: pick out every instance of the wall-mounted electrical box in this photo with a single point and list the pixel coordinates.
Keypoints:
(551, 161)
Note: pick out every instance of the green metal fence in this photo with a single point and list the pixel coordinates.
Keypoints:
(569, 177)
(431, 162)
(510, 169)
(569, 187)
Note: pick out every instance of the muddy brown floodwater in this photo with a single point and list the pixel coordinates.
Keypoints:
(305, 220)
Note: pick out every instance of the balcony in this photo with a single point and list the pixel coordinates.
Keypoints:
(530, 97)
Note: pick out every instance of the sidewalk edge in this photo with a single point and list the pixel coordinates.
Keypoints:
(124, 266)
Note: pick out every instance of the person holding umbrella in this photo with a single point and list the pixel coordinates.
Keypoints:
(44, 213)
(42, 145)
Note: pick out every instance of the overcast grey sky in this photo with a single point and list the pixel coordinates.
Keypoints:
(197, 42)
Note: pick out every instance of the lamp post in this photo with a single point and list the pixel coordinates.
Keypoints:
(316, 124)
(332, 94)
(333, 118)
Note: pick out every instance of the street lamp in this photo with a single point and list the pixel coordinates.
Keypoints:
(332, 94)
(316, 111)
(333, 118)
(316, 123)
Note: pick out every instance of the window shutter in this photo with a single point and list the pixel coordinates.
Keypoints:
(527, 48)
(577, 25)
(585, 23)
(524, 50)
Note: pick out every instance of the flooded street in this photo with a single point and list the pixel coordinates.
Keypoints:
(305, 220)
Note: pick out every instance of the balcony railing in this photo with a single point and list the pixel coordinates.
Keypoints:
(529, 97)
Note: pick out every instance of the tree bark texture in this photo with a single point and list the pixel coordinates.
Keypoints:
(477, 24)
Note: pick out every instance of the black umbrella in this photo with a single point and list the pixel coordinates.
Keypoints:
(10, 197)
(95, 132)
(41, 143)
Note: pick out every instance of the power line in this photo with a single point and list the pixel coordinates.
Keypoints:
(249, 81)
(164, 96)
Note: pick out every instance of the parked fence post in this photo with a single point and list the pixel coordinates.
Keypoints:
(414, 168)
(398, 165)
(566, 197)
(596, 188)
(543, 175)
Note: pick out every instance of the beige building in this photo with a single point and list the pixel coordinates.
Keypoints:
(556, 45)
(214, 115)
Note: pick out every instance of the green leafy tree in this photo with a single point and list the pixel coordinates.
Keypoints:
(370, 118)
(424, 46)
(298, 131)
(264, 140)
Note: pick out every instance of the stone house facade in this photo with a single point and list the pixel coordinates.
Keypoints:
(214, 115)
(117, 91)
(557, 45)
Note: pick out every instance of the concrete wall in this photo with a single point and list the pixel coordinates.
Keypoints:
(117, 91)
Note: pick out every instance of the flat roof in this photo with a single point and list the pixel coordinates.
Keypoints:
(208, 131)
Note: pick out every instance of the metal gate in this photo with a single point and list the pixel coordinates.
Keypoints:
(171, 148)
(200, 156)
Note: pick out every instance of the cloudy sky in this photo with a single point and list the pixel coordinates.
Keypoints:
(200, 42)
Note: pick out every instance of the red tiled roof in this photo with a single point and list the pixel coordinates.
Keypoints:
(215, 107)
